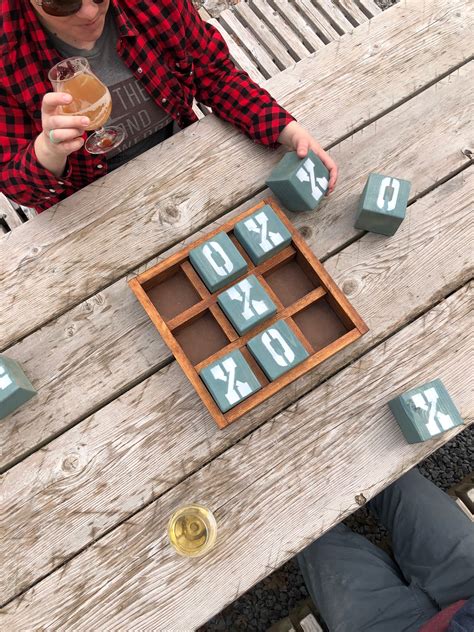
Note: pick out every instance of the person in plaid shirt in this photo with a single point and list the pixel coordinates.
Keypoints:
(164, 47)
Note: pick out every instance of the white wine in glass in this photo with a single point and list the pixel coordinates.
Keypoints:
(91, 98)
(192, 530)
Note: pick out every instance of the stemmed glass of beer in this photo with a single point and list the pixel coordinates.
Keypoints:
(91, 98)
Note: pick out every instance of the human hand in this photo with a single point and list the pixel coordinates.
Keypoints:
(296, 138)
(63, 133)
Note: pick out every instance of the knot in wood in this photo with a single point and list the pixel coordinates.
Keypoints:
(306, 232)
(349, 286)
(71, 463)
(360, 499)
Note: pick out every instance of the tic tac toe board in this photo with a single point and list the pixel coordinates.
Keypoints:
(290, 313)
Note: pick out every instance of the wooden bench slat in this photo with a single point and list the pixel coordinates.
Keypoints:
(81, 479)
(353, 10)
(324, 28)
(276, 22)
(109, 334)
(238, 54)
(334, 13)
(308, 35)
(8, 213)
(133, 578)
(248, 40)
(90, 239)
(370, 7)
(273, 45)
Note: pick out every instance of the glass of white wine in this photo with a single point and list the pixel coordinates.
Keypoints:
(91, 98)
(192, 530)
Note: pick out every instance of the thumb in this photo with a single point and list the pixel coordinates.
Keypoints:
(302, 147)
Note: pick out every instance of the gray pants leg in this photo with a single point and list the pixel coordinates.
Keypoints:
(358, 588)
(433, 540)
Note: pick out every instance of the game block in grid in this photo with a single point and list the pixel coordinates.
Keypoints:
(218, 262)
(262, 234)
(277, 350)
(198, 332)
(425, 412)
(246, 304)
(300, 183)
(230, 380)
(383, 204)
(15, 387)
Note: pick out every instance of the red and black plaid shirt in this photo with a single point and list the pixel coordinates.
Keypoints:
(167, 47)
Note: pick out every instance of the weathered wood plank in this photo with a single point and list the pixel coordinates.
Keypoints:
(132, 577)
(269, 40)
(323, 27)
(280, 27)
(8, 213)
(95, 236)
(106, 344)
(308, 35)
(238, 54)
(81, 480)
(370, 7)
(248, 40)
(350, 8)
(333, 13)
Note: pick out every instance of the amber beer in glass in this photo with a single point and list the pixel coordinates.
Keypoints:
(91, 98)
(192, 530)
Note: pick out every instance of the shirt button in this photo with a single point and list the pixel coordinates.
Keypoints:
(100, 166)
(47, 197)
(139, 70)
(61, 183)
(52, 190)
(164, 101)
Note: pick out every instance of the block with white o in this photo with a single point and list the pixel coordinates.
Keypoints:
(383, 204)
(262, 234)
(425, 412)
(230, 380)
(246, 304)
(218, 262)
(277, 350)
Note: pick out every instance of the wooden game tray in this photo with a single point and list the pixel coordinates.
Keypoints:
(197, 331)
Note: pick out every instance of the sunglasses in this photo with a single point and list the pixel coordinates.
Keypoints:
(63, 8)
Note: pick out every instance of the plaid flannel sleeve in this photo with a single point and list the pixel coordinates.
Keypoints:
(23, 178)
(230, 92)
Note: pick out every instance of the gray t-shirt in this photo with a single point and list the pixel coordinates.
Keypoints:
(145, 124)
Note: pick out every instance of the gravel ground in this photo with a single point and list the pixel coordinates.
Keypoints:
(275, 596)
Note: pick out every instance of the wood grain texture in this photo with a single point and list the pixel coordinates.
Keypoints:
(142, 444)
(132, 577)
(103, 231)
(106, 344)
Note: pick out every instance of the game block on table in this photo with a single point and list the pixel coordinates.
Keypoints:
(230, 380)
(383, 204)
(262, 234)
(15, 387)
(218, 262)
(300, 183)
(425, 412)
(277, 350)
(246, 304)
(203, 329)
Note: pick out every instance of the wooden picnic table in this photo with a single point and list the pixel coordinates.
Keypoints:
(117, 438)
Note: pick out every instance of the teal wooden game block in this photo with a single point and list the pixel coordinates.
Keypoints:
(300, 183)
(262, 234)
(425, 412)
(230, 380)
(15, 388)
(246, 304)
(383, 204)
(218, 262)
(277, 350)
